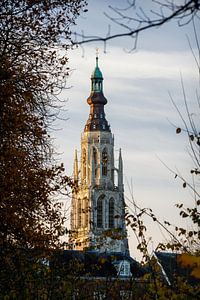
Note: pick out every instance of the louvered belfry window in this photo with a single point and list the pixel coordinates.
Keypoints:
(100, 212)
(111, 213)
(104, 163)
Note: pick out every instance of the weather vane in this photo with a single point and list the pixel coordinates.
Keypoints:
(97, 52)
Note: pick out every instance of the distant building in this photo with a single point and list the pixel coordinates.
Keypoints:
(98, 207)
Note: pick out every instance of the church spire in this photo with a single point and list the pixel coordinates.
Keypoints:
(97, 56)
(75, 166)
(97, 78)
(96, 100)
(120, 171)
(97, 196)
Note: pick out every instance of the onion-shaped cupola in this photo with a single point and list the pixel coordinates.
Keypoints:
(96, 100)
(97, 78)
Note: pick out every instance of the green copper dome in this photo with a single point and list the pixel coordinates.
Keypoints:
(97, 73)
(97, 79)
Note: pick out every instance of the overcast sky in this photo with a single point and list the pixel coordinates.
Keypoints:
(139, 109)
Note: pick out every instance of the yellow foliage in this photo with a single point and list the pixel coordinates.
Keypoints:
(191, 261)
(196, 272)
(102, 260)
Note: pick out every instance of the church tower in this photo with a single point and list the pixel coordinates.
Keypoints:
(98, 208)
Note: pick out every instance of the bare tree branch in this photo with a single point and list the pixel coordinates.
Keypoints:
(166, 12)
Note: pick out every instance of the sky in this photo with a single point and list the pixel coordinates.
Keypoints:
(143, 119)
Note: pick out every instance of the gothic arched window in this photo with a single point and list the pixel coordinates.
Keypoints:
(104, 163)
(79, 213)
(100, 212)
(95, 155)
(111, 213)
(95, 159)
(84, 163)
